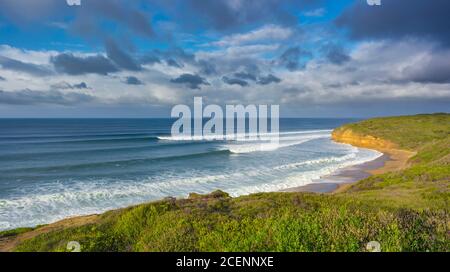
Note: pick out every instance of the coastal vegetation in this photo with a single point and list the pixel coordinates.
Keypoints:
(404, 210)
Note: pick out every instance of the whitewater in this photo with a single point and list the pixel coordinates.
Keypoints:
(51, 169)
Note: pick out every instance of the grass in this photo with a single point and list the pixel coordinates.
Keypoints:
(404, 211)
(426, 182)
(260, 222)
(408, 132)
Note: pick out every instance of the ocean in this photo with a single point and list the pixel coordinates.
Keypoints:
(51, 169)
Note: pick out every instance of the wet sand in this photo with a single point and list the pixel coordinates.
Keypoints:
(347, 175)
(391, 160)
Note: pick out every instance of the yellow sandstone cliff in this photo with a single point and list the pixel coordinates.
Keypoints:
(398, 159)
(346, 135)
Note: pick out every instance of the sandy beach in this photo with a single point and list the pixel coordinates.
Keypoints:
(343, 177)
(391, 160)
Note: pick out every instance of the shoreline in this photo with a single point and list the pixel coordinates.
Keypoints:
(391, 160)
(333, 182)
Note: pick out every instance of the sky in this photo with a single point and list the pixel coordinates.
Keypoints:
(139, 58)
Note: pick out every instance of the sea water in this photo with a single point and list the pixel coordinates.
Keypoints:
(51, 169)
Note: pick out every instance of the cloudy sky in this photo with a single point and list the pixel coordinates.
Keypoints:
(316, 58)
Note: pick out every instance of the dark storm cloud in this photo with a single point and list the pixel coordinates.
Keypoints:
(192, 81)
(268, 80)
(235, 81)
(117, 59)
(207, 67)
(27, 11)
(2, 78)
(88, 15)
(226, 15)
(399, 18)
(149, 59)
(180, 54)
(178, 58)
(436, 69)
(335, 54)
(291, 58)
(29, 97)
(121, 11)
(120, 57)
(175, 57)
(131, 80)
(81, 85)
(73, 65)
(65, 86)
(174, 63)
(24, 67)
(124, 14)
(245, 76)
(244, 68)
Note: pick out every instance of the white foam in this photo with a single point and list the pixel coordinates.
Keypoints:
(267, 145)
(55, 201)
(318, 161)
(302, 179)
(239, 137)
(262, 147)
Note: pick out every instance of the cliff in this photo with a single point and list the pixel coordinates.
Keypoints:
(398, 158)
(348, 136)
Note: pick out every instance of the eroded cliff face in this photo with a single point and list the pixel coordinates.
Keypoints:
(398, 159)
(347, 136)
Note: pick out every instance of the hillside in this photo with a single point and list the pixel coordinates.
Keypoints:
(425, 182)
(406, 210)
(404, 132)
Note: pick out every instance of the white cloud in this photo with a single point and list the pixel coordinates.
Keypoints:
(29, 56)
(264, 34)
(377, 71)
